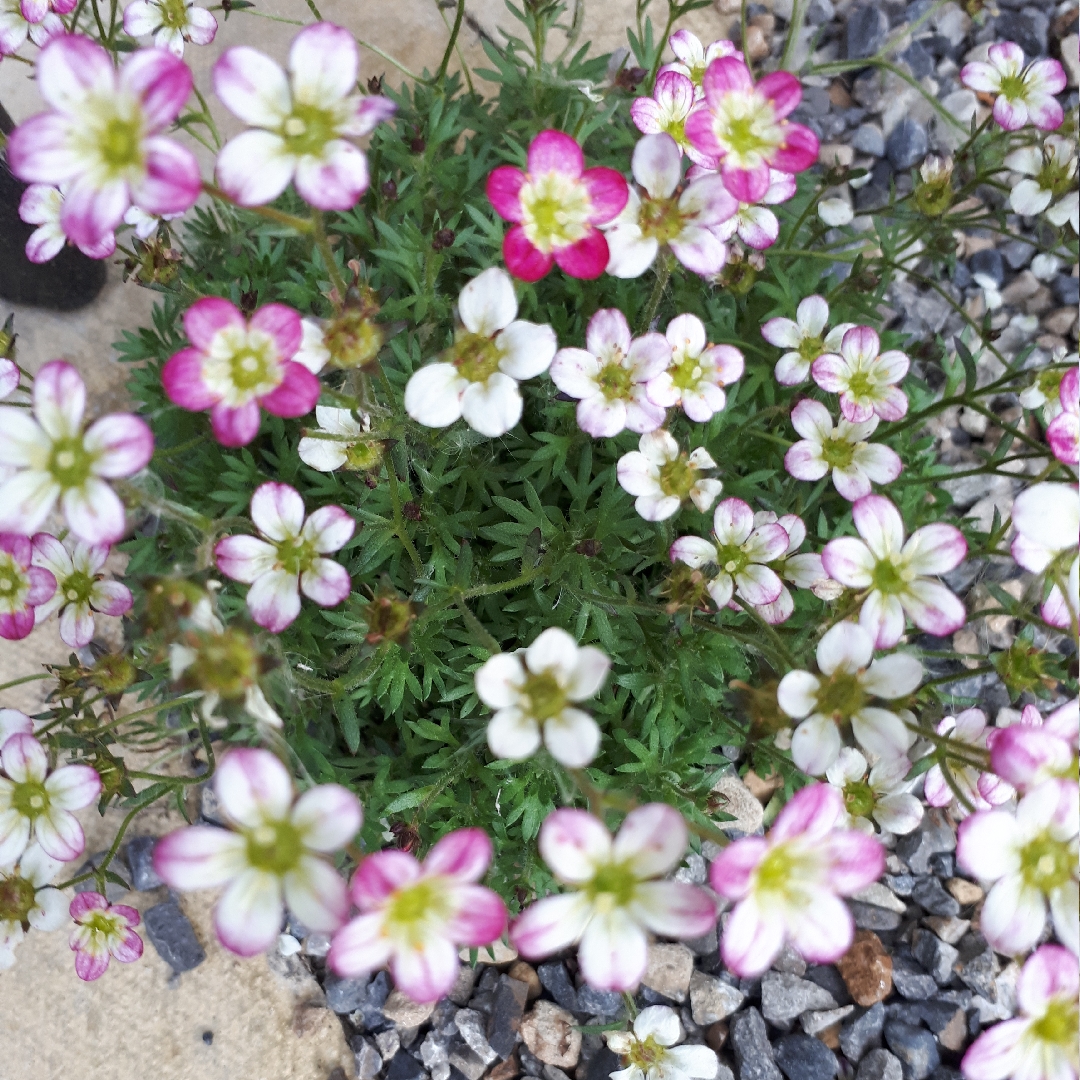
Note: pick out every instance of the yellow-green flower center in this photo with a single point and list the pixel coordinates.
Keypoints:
(1047, 864)
(413, 911)
(476, 356)
(275, 847)
(70, 463)
(76, 587)
(295, 556)
(16, 899)
(612, 886)
(120, 144)
(840, 696)
(859, 799)
(227, 664)
(308, 129)
(677, 477)
(811, 348)
(860, 385)
(887, 577)
(838, 453)
(30, 799)
(614, 380)
(645, 1054)
(173, 14)
(555, 211)
(1058, 1025)
(660, 219)
(731, 558)
(687, 373)
(546, 697)
(1013, 87)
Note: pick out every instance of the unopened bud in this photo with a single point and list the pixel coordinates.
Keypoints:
(112, 673)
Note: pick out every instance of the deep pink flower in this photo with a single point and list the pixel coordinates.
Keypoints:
(864, 377)
(1024, 95)
(787, 885)
(23, 587)
(743, 127)
(1063, 433)
(104, 930)
(556, 206)
(1035, 750)
(235, 365)
(103, 138)
(414, 915)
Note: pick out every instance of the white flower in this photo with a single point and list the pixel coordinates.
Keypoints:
(27, 899)
(1050, 181)
(649, 1051)
(835, 212)
(805, 339)
(146, 225)
(662, 478)
(172, 22)
(884, 795)
(339, 440)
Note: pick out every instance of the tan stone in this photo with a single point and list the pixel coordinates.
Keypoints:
(668, 971)
(964, 892)
(405, 1012)
(836, 154)
(762, 787)
(866, 969)
(526, 973)
(732, 796)
(550, 1034)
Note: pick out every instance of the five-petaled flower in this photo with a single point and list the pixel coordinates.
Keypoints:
(102, 138)
(81, 589)
(840, 696)
(276, 852)
(883, 796)
(1063, 432)
(787, 885)
(895, 574)
(533, 690)
(662, 478)
(1046, 518)
(742, 127)
(616, 898)
(673, 98)
(1050, 178)
(54, 459)
(302, 122)
(805, 339)
(609, 376)
(24, 588)
(288, 556)
(27, 900)
(1024, 95)
(981, 790)
(235, 365)
(1027, 753)
(556, 206)
(864, 377)
(37, 805)
(840, 449)
(754, 223)
(649, 1052)
(43, 205)
(478, 376)
(102, 931)
(415, 915)
(38, 20)
(804, 571)
(172, 22)
(692, 59)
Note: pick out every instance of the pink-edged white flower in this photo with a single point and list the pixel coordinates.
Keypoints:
(81, 588)
(617, 898)
(556, 206)
(742, 127)
(841, 697)
(288, 556)
(24, 588)
(649, 1052)
(28, 900)
(609, 376)
(10, 377)
(43, 205)
(787, 885)
(478, 377)
(1050, 178)
(38, 20)
(1040, 1043)
(697, 371)
(864, 377)
(172, 22)
(673, 98)
(662, 478)
(102, 140)
(301, 122)
(414, 916)
(982, 790)
(692, 59)
(56, 460)
(274, 852)
(14, 722)
(1063, 432)
(735, 558)
(897, 575)
(805, 339)
(533, 692)
(37, 805)
(840, 449)
(1031, 857)
(755, 224)
(102, 931)
(883, 797)
(1046, 518)
(804, 571)
(1028, 753)
(235, 365)
(655, 218)
(1024, 95)
(340, 440)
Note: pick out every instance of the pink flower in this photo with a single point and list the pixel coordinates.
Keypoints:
(37, 805)
(981, 789)
(38, 20)
(103, 138)
(172, 22)
(841, 450)
(414, 916)
(805, 338)
(43, 205)
(80, 587)
(697, 372)
(276, 853)
(754, 224)
(662, 478)
(1046, 518)
(556, 206)
(10, 377)
(1024, 95)
(56, 460)
(234, 365)
(289, 558)
(787, 885)
(742, 126)
(1040, 1043)
(864, 378)
(609, 375)
(1063, 434)
(736, 555)
(1034, 750)
(673, 99)
(301, 121)
(897, 575)
(616, 899)
(23, 587)
(1032, 860)
(104, 930)
(692, 59)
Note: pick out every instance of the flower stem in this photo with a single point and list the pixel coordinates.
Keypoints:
(300, 224)
(663, 275)
(321, 242)
(441, 73)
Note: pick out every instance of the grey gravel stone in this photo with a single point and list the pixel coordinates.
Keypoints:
(140, 861)
(785, 997)
(872, 917)
(978, 966)
(753, 1054)
(712, 999)
(802, 1057)
(599, 1002)
(910, 980)
(1029, 28)
(508, 1007)
(472, 1026)
(869, 139)
(866, 29)
(388, 1043)
(988, 262)
(463, 1058)
(907, 144)
(827, 976)
(405, 1067)
(863, 1033)
(1018, 253)
(880, 1065)
(1066, 290)
(815, 1022)
(602, 1064)
(915, 1047)
(934, 955)
(933, 835)
(173, 936)
(368, 1060)
(931, 896)
(344, 995)
(556, 981)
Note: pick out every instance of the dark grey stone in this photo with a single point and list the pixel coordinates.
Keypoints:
(599, 1002)
(918, 58)
(978, 966)
(933, 835)
(802, 1057)
(901, 884)
(113, 892)
(173, 936)
(556, 981)
(915, 1047)
(1066, 290)
(507, 1008)
(988, 262)
(943, 864)
(880, 1065)
(868, 139)
(404, 1067)
(931, 896)
(907, 144)
(872, 917)
(827, 976)
(140, 860)
(1029, 28)
(937, 1015)
(862, 1034)
(532, 1066)
(753, 1054)
(910, 980)
(1018, 253)
(866, 29)
(344, 995)
(961, 278)
(934, 954)
(820, 12)
(602, 1064)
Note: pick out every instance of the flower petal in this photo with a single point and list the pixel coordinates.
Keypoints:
(574, 843)
(492, 408)
(554, 151)
(326, 582)
(329, 816)
(255, 167)
(480, 919)
(316, 894)
(252, 87)
(433, 395)
(752, 939)
(613, 951)
(248, 916)
(651, 840)
(673, 909)
(550, 924)
(72, 787)
(572, 737)
(487, 304)
(824, 929)
(253, 786)
(199, 857)
(380, 875)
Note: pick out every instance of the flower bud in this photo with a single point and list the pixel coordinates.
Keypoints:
(112, 673)
(933, 194)
(390, 617)
(354, 338)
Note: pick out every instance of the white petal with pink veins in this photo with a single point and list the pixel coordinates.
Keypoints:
(328, 529)
(252, 87)
(199, 857)
(254, 787)
(574, 844)
(657, 165)
(277, 511)
(317, 894)
(323, 63)
(551, 924)
(326, 582)
(249, 914)
(612, 953)
(881, 732)
(651, 840)
(255, 167)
